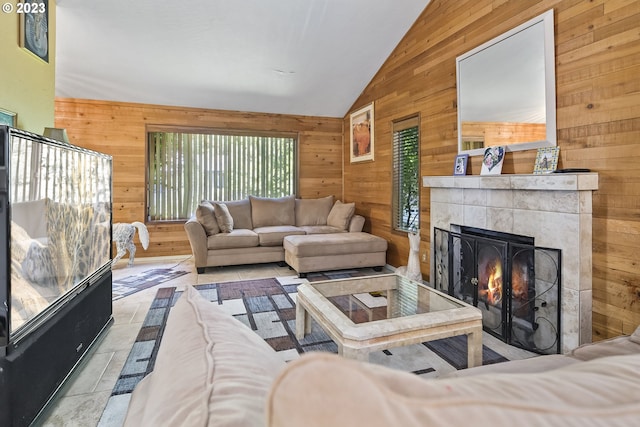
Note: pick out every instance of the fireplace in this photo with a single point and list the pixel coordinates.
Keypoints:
(555, 209)
(515, 284)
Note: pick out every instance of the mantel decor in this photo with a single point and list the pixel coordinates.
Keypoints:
(460, 164)
(362, 134)
(546, 160)
(492, 160)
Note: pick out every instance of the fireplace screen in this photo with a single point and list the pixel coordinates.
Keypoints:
(515, 284)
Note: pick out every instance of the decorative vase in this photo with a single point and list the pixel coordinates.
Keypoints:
(412, 270)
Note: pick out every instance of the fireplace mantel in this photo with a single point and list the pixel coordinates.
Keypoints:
(554, 209)
(548, 182)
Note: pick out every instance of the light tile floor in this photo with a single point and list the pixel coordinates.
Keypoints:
(81, 401)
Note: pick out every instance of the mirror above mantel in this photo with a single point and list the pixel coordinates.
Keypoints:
(507, 90)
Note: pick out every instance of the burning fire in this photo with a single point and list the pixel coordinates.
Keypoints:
(519, 282)
(493, 274)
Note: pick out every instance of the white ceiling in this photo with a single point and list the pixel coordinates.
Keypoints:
(306, 57)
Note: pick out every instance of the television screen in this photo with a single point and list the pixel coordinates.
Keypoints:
(59, 223)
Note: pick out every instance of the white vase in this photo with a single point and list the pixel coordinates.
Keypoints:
(412, 270)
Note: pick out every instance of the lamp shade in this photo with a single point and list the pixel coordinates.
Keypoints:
(56, 133)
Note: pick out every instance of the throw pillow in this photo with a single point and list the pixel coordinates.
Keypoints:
(341, 214)
(225, 221)
(240, 211)
(313, 211)
(269, 211)
(205, 214)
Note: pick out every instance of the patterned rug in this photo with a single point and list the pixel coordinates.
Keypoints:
(131, 284)
(267, 306)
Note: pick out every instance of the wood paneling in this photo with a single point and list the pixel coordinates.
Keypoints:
(494, 133)
(119, 129)
(598, 118)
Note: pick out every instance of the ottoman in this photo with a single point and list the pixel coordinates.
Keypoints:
(320, 252)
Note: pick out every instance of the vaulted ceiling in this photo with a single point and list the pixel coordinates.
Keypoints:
(304, 57)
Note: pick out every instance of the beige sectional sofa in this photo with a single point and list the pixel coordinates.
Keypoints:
(212, 370)
(253, 230)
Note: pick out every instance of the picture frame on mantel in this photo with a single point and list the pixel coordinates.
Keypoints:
(460, 164)
(34, 27)
(546, 160)
(8, 118)
(362, 135)
(492, 160)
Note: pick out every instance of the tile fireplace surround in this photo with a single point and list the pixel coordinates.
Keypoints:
(554, 209)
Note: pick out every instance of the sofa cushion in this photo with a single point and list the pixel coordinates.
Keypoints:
(240, 238)
(223, 217)
(601, 392)
(635, 336)
(530, 365)
(205, 214)
(313, 245)
(321, 229)
(611, 347)
(240, 211)
(341, 214)
(273, 236)
(210, 370)
(267, 211)
(313, 211)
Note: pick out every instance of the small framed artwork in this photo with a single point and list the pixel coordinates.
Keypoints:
(546, 160)
(492, 161)
(8, 118)
(34, 27)
(362, 134)
(460, 165)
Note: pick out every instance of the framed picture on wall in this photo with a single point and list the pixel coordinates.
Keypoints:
(362, 134)
(8, 118)
(34, 27)
(460, 164)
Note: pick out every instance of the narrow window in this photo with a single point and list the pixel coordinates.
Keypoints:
(406, 171)
(186, 167)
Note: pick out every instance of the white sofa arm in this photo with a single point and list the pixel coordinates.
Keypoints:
(356, 224)
(198, 241)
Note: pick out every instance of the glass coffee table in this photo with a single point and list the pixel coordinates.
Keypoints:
(371, 313)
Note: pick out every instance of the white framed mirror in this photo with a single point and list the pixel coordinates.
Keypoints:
(507, 90)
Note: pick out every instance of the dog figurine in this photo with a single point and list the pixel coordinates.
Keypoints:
(123, 234)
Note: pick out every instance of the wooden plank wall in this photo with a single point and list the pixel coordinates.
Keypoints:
(598, 117)
(119, 129)
(498, 133)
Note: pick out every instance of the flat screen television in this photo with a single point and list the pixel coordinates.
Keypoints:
(55, 228)
(55, 267)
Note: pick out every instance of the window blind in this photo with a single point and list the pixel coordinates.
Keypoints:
(406, 170)
(185, 168)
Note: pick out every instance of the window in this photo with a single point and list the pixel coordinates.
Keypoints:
(186, 167)
(406, 171)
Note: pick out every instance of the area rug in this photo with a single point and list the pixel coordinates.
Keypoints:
(125, 286)
(454, 351)
(267, 306)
